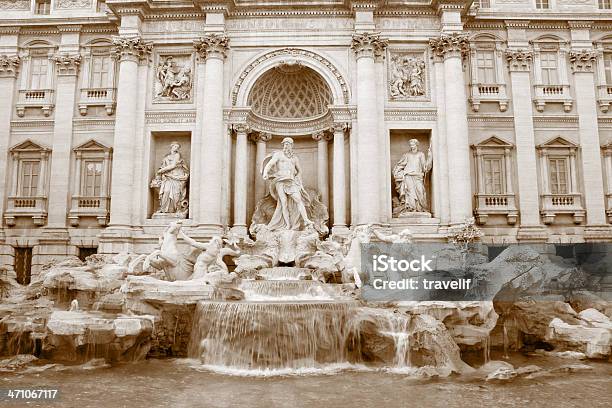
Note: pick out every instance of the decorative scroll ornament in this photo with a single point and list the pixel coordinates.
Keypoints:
(449, 45)
(407, 77)
(9, 65)
(67, 64)
(583, 60)
(369, 45)
(212, 45)
(519, 60)
(131, 47)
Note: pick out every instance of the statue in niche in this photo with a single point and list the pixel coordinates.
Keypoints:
(407, 77)
(283, 170)
(171, 180)
(409, 176)
(174, 80)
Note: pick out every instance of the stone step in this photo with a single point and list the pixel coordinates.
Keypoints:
(284, 273)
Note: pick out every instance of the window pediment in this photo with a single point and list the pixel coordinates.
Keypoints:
(92, 146)
(28, 146)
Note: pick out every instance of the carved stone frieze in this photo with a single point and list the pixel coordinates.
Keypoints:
(519, 60)
(174, 78)
(407, 76)
(72, 4)
(67, 64)
(369, 45)
(9, 65)
(583, 60)
(15, 4)
(450, 45)
(212, 45)
(131, 48)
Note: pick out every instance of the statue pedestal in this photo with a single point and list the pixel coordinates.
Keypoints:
(421, 224)
(415, 215)
(167, 216)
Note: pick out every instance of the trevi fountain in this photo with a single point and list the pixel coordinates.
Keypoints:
(276, 317)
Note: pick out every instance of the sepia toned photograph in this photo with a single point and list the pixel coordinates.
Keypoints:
(305, 203)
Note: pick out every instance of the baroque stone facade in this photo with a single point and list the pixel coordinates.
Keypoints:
(510, 115)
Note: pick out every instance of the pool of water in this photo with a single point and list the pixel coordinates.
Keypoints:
(182, 383)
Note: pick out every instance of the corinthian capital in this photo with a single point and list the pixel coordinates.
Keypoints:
(242, 128)
(369, 45)
(261, 137)
(583, 60)
(519, 60)
(9, 65)
(67, 64)
(131, 48)
(212, 45)
(450, 45)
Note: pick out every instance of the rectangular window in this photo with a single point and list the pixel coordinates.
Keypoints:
(42, 7)
(30, 170)
(608, 67)
(92, 181)
(558, 175)
(485, 61)
(485, 3)
(100, 66)
(23, 265)
(542, 4)
(38, 72)
(493, 175)
(605, 4)
(549, 62)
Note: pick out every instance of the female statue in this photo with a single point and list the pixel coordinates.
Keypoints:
(171, 179)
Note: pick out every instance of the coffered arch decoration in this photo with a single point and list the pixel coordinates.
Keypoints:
(332, 76)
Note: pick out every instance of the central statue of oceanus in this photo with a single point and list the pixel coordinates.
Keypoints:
(289, 205)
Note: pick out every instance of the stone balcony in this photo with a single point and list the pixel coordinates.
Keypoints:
(552, 94)
(89, 206)
(34, 207)
(495, 204)
(604, 97)
(554, 204)
(106, 97)
(35, 98)
(488, 93)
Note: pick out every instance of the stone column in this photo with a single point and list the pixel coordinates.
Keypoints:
(240, 180)
(67, 68)
(519, 64)
(9, 68)
(213, 48)
(440, 149)
(451, 47)
(366, 46)
(583, 65)
(260, 140)
(322, 166)
(129, 51)
(339, 179)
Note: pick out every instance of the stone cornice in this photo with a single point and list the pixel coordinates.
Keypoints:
(583, 60)
(9, 30)
(213, 45)
(67, 64)
(368, 45)
(9, 66)
(130, 7)
(69, 28)
(131, 47)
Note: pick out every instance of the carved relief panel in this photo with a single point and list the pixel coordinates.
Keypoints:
(14, 4)
(173, 78)
(407, 76)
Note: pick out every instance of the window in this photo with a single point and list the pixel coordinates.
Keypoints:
(39, 68)
(23, 265)
(42, 7)
(485, 3)
(485, 63)
(605, 4)
(542, 4)
(30, 170)
(493, 174)
(549, 61)
(92, 182)
(608, 67)
(557, 167)
(100, 69)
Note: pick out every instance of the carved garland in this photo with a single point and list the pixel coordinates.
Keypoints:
(519, 60)
(295, 52)
(583, 61)
(9, 65)
(67, 64)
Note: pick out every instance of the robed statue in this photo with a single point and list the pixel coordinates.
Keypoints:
(171, 180)
(409, 176)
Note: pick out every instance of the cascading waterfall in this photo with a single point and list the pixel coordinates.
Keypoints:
(285, 290)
